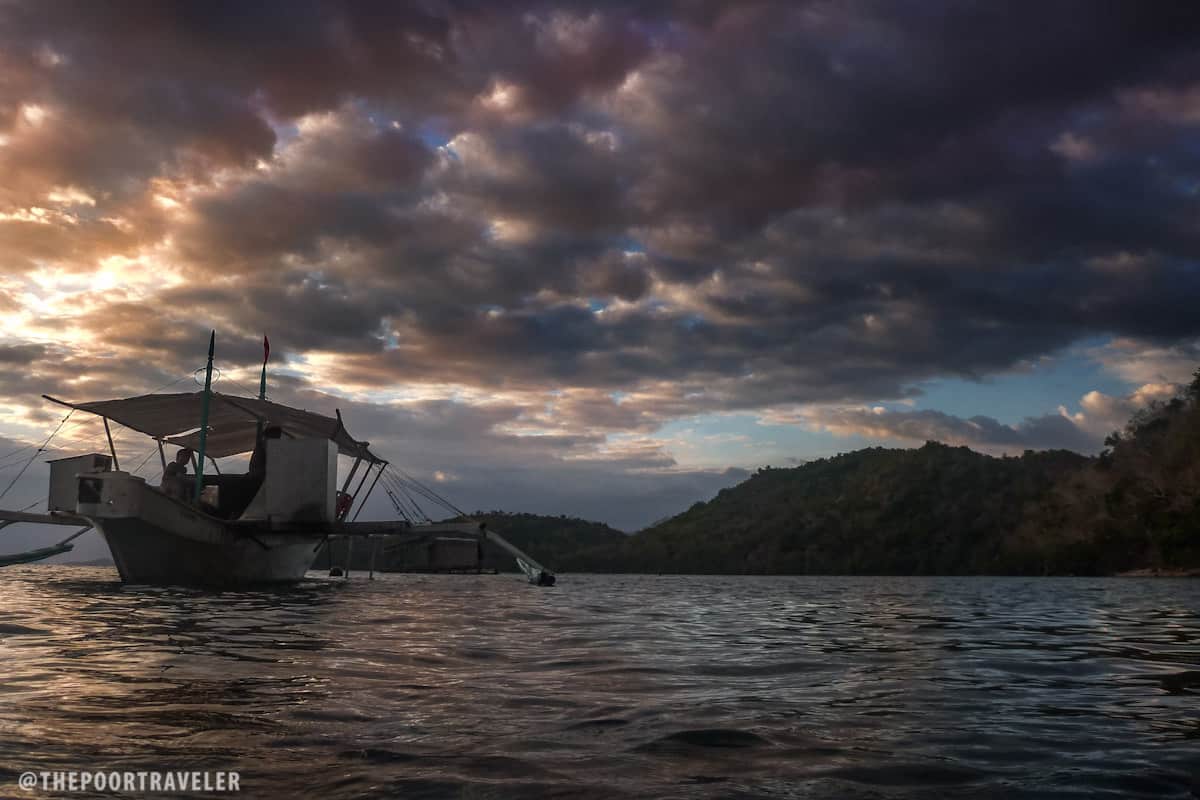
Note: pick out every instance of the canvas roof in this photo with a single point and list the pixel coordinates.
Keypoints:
(232, 421)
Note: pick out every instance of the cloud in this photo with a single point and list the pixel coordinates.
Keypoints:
(1052, 431)
(719, 142)
(1141, 361)
(600, 218)
(21, 354)
(1083, 431)
(1101, 414)
(1075, 148)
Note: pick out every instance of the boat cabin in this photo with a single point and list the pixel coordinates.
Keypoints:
(292, 476)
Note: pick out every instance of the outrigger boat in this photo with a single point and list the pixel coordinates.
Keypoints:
(263, 527)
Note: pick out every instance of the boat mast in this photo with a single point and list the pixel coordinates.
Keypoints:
(212, 343)
(111, 449)
(262, 382)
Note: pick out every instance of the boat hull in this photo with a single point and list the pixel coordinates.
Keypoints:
(156, 539)
(147, 554)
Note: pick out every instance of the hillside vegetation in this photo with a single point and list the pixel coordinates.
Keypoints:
(949, 510)
(935, 510)
(1137, 506)
(929, 510)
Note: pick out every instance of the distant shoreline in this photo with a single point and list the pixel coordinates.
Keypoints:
(1156, 572)
(1145, 572)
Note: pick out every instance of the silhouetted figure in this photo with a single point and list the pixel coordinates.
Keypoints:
(237, 491)
(258, 459)
(175, 476)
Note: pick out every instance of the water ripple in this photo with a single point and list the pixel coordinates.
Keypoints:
(427, 686)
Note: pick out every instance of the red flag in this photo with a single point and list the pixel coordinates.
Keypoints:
(266, 349)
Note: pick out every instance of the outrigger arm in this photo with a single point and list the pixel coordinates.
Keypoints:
(53, 518)
(535, 572)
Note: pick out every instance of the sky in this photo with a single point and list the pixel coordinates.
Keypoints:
(603, 259)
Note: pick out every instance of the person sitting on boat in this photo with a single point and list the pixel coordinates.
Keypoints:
(175, 476)
(237, 491)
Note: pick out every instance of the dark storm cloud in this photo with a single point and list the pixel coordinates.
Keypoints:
(753, 203)
(299, 56)
(21, 354)
(551, 176)
(106, 132)
(552, 52)
(782, 105)
(299, 310)
(614, 274)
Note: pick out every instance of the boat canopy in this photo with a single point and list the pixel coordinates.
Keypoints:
(233, 422)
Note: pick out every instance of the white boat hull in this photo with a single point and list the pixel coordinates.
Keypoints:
(148, 554)
(158, 540)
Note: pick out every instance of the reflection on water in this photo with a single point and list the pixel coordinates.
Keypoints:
(434, 686)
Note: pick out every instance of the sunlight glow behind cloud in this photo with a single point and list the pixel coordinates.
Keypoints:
(607, 248)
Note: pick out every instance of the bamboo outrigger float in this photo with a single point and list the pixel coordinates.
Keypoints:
(262, 527)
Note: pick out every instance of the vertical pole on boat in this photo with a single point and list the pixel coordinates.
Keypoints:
(378, 475)
(162, 456)
(342, 515)
(212, 343)
(350, 477)
(366, 474)
(262, 381)
(111, 449)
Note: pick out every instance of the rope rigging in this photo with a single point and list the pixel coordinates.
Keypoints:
(399, 508)
(142, 463)
(5, 463)
(41, 449)
(408, 484)
(405, 503)
(403, 490)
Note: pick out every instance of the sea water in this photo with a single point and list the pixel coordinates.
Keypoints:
(608, 686)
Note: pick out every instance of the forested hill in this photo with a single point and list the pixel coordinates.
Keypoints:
(930, 510)
(949, 510)
(1137, 506)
